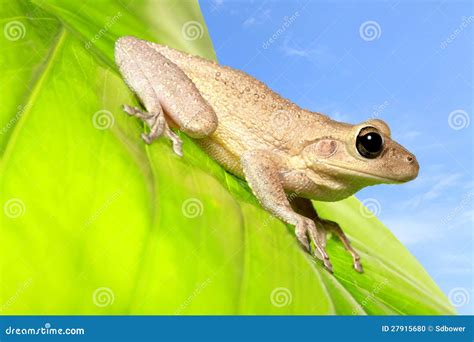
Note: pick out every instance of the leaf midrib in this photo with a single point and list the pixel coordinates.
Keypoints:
(31, 95)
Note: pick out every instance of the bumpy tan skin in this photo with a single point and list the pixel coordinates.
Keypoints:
(276, 146)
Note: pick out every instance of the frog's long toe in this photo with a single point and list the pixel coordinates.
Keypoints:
(158, 127)
(320, 253)
(307, 228)
(303, 239)
(334, 227)
(358, 266)
(175, 140)
(328, 265)
(134, 111)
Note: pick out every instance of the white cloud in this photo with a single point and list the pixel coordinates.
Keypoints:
(320, 55)
(409, 135)
(260, 18)
(250, 21)
(410, 232)
(292, 49)
(338, 116)
(440, 183)
(216, 5)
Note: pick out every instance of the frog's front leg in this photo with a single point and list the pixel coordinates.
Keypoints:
(304, 207)
(262, 171)
(168, 95)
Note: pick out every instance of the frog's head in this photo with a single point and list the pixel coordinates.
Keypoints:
(364, 153)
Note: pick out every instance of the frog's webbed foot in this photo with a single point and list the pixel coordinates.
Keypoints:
(158, 127)
(334, 227)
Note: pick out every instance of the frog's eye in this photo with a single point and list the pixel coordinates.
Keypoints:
(369, 142)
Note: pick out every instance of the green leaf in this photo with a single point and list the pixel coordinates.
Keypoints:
(96, 222)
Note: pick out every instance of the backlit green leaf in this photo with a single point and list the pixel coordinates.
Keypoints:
(93, 221)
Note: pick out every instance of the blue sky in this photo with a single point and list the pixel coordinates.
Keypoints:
(409, 63)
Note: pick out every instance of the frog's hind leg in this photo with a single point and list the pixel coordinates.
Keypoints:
(165, 91)
(158, 127)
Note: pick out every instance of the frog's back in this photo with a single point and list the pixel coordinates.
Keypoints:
(251, 115)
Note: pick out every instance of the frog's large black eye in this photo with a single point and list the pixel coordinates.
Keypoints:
(369, 143)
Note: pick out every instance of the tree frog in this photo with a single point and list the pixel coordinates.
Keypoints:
(287, 155)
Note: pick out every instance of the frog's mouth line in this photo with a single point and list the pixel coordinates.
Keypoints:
(352, 171)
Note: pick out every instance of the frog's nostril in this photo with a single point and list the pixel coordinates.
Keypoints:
(409, 159)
